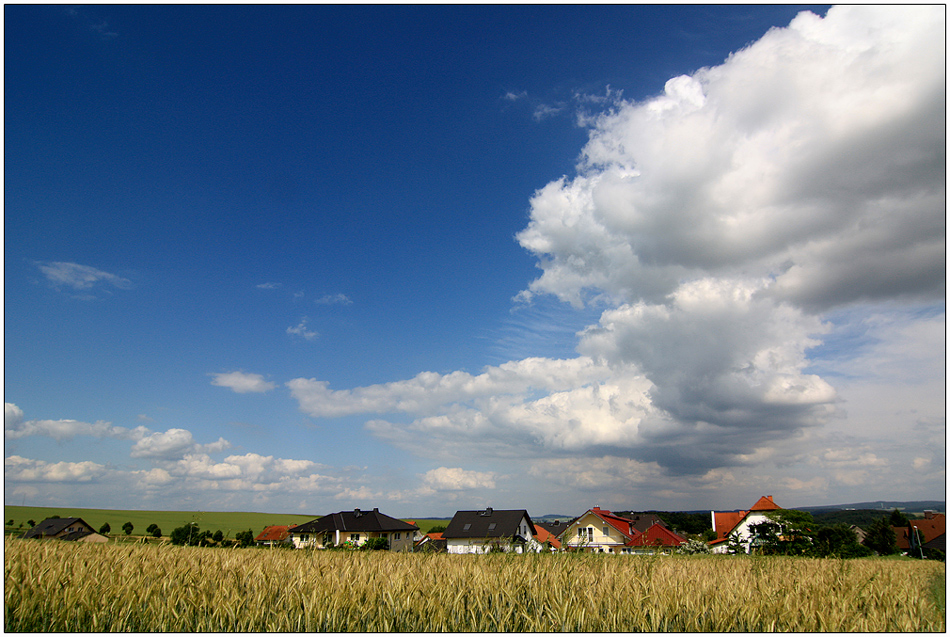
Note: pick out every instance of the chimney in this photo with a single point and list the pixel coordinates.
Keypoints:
(375, 509)
(356, 513)
(929, 514)
(596, 508)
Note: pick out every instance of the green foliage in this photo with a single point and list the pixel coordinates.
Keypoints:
(245, 538)
(10, 522)
(127, 528)
(880, 537)
(839, 541)
(438, 528)
(693, 547)
(218, 536)
(156, 532)
(186, 535)
(898, 519)
(32, 523)
(105, 529)
(375, 544)
(151, 528)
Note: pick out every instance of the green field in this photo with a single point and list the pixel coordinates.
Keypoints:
(228, 522)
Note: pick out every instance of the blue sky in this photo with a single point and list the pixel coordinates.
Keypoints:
(305, 258)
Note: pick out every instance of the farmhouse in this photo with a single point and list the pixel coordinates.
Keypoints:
(736, 524)
(69, 529)
(273, 535)
(483, 531)
(354, 528)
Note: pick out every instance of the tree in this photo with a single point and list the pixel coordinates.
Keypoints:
(898, 519)
(218, 536)
(880, 537)
(156, 532)
(244, 538)
(438, 528)
(186, 535)
(127, 527)
(10, 522)
(31, 523)
(839, 541)
(151, 528)
(105, 529)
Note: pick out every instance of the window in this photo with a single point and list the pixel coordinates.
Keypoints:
(491, 527)
(354, 537)
(397, 536)
(466, 527)
(607, 531)
(585, 533)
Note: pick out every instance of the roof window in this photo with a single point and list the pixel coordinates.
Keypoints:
(466, 527)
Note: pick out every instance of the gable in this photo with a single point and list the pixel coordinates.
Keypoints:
(356, 521)
(657, 535)
(488, 523)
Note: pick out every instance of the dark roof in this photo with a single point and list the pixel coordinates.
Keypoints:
(354, 520)
(487, 523)
(939, 542)
(53, 526)
(77, 535)
(555, 528)
(643, 521)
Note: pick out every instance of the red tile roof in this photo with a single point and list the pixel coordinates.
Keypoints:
(657, 535)
(272, 534)
(623, 525)
(542, 535)
(929, 528)
(726, 521)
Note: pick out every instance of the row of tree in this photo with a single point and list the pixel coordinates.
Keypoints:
(191, 535)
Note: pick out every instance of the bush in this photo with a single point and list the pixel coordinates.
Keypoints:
(127, 527)
(186, 535)
(376, 544)
(105, 529)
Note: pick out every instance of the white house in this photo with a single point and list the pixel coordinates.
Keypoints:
(737, 525)
(483, 531)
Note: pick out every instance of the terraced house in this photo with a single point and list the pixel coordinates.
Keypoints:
(354, 527)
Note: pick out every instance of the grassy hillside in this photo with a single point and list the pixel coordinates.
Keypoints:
(228, 522)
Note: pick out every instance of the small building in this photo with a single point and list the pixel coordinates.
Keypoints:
(431, 543)
(488, 530)
(69, 529)
(737, 525)
(273, 536)
(598, 531)
(353, 528)
(657, 538)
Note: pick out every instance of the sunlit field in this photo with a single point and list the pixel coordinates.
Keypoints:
(53, 586)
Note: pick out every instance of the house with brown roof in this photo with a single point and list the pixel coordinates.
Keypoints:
(273, 536)
(431, 542)
(737, 524)
(68, 529)
(353, 528)
(920, 532)
(487, 530)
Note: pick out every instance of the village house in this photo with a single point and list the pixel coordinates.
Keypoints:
(483, 531)
(737, 524)
(354, 528)
(911, 538)
(273, 536)
(601, 531)
(68, 529)
(598, 531)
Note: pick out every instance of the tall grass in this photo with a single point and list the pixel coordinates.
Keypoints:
(57, 586)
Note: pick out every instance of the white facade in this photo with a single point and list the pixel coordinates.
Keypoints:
(742, 531)
(478, 545)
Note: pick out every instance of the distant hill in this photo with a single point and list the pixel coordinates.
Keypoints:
(912, 506)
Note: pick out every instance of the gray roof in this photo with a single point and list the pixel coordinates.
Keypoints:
(487, 523)
(53, 526)
(354, 520)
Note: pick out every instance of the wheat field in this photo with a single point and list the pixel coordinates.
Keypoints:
(54, 586)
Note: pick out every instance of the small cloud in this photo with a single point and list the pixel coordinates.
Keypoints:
(457, 479)
(242, 383)
(302, 331)
(544, 111)
(268, 286)
(334, 299)
(79, 277)
(514, 97)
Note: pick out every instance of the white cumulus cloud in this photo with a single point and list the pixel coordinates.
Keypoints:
(242, 382)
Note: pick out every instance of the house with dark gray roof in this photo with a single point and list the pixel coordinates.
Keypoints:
(353, 528)
(69, 529)
(483, 531)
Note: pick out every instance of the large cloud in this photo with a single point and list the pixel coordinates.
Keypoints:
(721, 223)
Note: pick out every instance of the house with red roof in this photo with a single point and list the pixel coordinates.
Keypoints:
(920, 532)
(273, 535)
(737, 524)
(655, 538)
